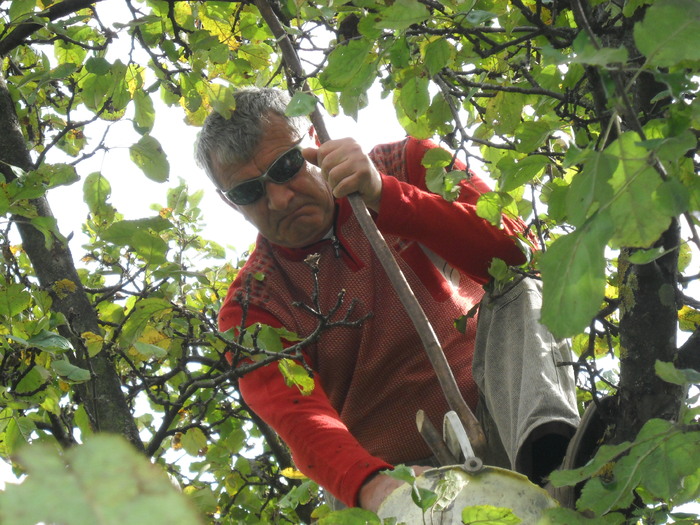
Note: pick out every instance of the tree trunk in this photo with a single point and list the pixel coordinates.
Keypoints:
(648, 311)
(102, 395)
(648, 327)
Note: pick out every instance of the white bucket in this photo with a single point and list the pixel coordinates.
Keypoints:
(484, 492)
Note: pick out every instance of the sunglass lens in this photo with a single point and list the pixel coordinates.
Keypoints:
(286, 166)
(247, 193)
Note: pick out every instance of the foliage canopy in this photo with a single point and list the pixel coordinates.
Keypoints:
(584, 112)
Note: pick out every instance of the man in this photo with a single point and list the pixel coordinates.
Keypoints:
(369, 380)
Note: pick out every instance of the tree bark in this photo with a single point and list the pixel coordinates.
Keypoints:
(648, 327)
(102, 395)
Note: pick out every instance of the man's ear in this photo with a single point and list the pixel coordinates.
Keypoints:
(223, 198)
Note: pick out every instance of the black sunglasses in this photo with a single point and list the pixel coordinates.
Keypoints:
(280, 171)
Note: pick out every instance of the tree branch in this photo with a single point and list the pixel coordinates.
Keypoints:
(26, 29)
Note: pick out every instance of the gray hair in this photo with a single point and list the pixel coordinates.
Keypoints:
(233, 141)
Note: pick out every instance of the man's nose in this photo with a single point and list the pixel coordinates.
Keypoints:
(278, 196)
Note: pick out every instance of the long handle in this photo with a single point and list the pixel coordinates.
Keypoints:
(422, 324)
(396, 276)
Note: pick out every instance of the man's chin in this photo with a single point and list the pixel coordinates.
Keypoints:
(300, 235)
(303, 230)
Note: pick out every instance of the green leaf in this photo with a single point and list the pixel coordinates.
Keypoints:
(571, 517)
(437, 55)
(96, 191)
(70, 372)
(194, 441)
(498, 269)
(299, 495)
(142, 235)
(14, 299)
(590, 189)
(530, 135)
(104, 481)
(670, 32)
(296, 375)
(268, 339)
(488, 515)
(520, 172)
(353, 516)
(444, 183)
(47, 226)
(148, 350)
(95, 89)
(491, 205)
(203, 498)
(437, 157)
(17, 433)
(414, 97)
(347, 66)
(34, 381)
(647, 256)
(220, 98)
(587, 53)
(503, 112)
(302, 104)
(659, 458)
(402, 473)
(573, 275)
(19, 8)
(638, 220)
(50, 342)
(97, 66)
(671, 197)
(62, 71)
(402, 14)
(423, 497)
(399, 53)
(148, 155)
(677, 376)
(145, 310)
(58, 174)
(144, 112)
(67, 52)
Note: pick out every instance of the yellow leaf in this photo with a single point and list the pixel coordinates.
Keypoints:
(292, 473)
(153, 337)
(688, 319)
(94, 343)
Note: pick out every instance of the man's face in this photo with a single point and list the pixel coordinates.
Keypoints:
(293, 214)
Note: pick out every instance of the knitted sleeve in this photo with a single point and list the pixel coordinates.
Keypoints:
(453, 230)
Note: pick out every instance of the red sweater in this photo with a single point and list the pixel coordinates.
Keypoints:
(371, 380)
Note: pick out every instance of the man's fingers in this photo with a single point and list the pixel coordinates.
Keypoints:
(311, 155)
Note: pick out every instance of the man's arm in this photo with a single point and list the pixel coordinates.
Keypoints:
(409, 210)
(322, 446)
(452, 230)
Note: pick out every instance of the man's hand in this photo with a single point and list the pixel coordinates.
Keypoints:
(348, 170)
(375, 491)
